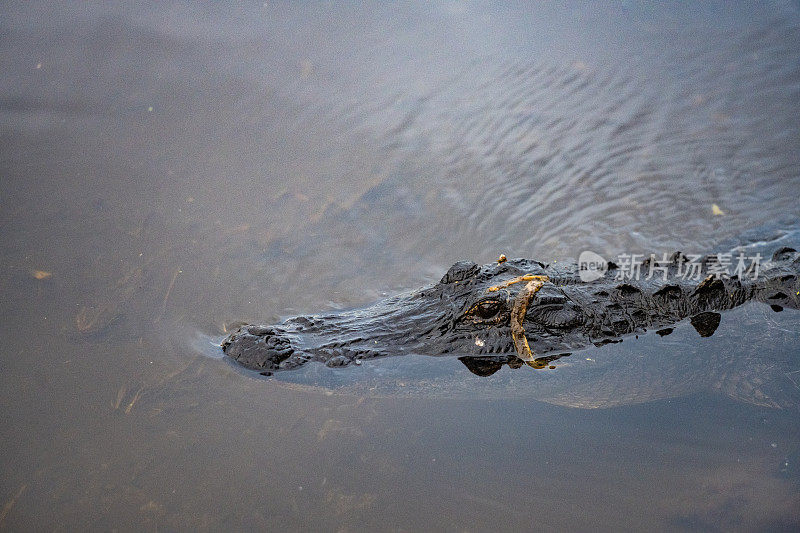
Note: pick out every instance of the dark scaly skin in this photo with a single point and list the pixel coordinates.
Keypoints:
(469, 314)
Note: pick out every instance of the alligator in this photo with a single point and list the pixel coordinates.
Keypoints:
(519, 312)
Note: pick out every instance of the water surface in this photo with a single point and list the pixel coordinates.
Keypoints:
(169, 171)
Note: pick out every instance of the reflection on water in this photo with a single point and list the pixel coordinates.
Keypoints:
(168, 170)
(739, 361)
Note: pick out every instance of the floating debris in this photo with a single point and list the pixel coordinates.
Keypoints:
(41, 274)
(166, 296)
(715, 210)
(133, 401)
(120, 397)
(7, 507)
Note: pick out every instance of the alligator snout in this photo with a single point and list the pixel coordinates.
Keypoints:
(260, 348)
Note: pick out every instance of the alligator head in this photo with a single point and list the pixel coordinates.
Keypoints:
(468, 314)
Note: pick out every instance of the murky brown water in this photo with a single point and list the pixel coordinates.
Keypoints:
(168, 171)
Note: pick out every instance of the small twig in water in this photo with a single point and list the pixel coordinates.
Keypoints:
(166, 296)
(133, 401)
(10, 503)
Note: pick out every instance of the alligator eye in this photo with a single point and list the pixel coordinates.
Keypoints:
(486, 309)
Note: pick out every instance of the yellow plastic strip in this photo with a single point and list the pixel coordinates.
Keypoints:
(518, 314)
(526, 277)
